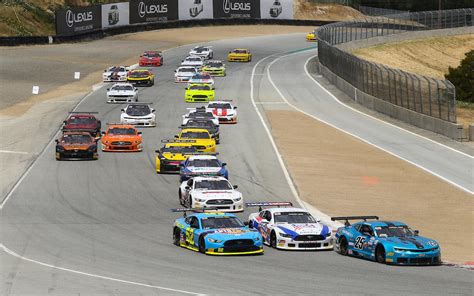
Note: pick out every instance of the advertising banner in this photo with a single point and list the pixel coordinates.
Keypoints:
(115, 14)
(236, 8)
(145, 11)
(195, 9)
(77, 20)
(276, 9)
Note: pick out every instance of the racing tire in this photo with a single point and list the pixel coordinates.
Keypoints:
(273, 240)
(250, 224)
(176, 237)
(380, 254)
(189, 203)
(343, 245)
(180, 196)
(202, 245)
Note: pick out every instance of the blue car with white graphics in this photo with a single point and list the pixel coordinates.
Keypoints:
(215, 233)
(388, 242)
(202, 165)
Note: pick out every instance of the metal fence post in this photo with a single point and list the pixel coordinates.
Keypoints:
(439, 98)
(429, 94)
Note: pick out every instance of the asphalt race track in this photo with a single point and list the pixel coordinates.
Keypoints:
(104, 227)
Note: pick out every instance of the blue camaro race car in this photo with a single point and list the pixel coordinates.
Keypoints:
(215, 233)
(385, 242)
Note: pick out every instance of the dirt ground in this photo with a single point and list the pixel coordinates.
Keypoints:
(341, 175)
(430, 57)
(306, 10)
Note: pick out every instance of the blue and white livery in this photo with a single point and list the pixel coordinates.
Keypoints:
(202, 165)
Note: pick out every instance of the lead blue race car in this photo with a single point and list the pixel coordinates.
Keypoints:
(388, 242)
(215, 233)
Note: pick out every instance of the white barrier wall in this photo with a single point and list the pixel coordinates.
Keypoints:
(195, 9)
(276, 9)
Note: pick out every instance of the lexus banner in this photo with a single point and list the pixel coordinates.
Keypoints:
(195, 9)
(77, 20)
(236, 8)
(145, 11)
(115, 14)
(276, 9)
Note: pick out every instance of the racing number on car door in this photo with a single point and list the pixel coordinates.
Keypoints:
(359, 242)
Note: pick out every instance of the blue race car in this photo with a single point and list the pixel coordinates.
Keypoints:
(215, 233)
(202, 165)
(385, 242)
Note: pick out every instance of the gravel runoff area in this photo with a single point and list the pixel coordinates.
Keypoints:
(27, 123)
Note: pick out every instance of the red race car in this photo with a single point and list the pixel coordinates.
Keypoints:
(151, 58)
(83, 122)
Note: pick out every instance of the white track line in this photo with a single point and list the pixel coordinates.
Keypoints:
(13, 152)
(358, 137)
(8, 251)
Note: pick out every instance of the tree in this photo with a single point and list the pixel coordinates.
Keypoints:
(463, 78)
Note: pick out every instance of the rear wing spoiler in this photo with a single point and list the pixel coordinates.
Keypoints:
(260, 205)
(177, 141)
(77, 112)
(196, 210)
(347, 218)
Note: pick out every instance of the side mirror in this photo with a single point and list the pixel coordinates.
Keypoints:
(135, 89)
(213, 88)
(181, 165)
(157, 151)
(246, 223)
(417, 232)
(139, 133)
(64, 121)
(103, 133)
(224, 163)
(176, 136)
(235, 186)
(235, 107)
(123, 110)
(108, 89)
(187, 187)
(57, 141)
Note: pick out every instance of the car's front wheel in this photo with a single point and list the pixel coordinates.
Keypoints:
(202, 245)
(380, 254)
(176, 236)
(180, 196)
(343, 246)
(273, 240)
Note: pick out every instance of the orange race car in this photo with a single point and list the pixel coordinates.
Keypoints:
(121, 138)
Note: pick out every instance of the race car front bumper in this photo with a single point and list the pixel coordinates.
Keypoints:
(297, 244)
(225, 205)
(432, 257)
(181, 79)
(145, 82)
(238, 59)
(198, 98)
(121, 147)
(149, 63)
(227, 119)
(139, 122)
(75, 154)
(121, 99)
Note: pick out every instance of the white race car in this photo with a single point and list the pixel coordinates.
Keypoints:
(184, 73)
(122, 93)
(200, 113)
(214, 193)
(205, 52)
(224, 110)
(115, 73)
(193, 61)
(290, 228)
(138, 114)
(202, 78)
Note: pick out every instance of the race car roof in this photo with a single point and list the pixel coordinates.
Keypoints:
(286, 209)
(193, 157)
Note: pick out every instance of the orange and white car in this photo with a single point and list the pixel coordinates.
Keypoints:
(121, 138)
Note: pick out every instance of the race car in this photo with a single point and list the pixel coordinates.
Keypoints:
(115, 74)
(289, 228)
(140, 114)
(200, 113)
(204, 52)
(276, 9)
(311, 36)
(122, 93)
(151, 58)
(170, 156)
(214, 68)
(199, 92)
(121, 138)
(196, 8)
(184, 73)
(83, 122)
(239, 55)
(215, 234)
(202, 165)
(76, 145)
(141, 77)
(204, 124)
(201, 138)
(211, 193)
(389, 242)
(202, 78)
(193, 61)
(223, 110)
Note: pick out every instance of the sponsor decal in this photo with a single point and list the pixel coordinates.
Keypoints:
(237, 8)
(78, 19)
(144, 11)
(230, 231)
(73, 18)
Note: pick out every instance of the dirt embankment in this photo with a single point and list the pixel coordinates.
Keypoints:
(308, 10)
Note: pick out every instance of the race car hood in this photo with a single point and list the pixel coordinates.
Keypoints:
(148, 116)
(75, 146)
(303, 229)
(122, 138)
(108, 73)
(191, 63)
(175, 156)
(202, 170)
(216, 194)
(120, 93)
(232, 233)
(71, 126)
(199, 91)
(410, 242)
(222, 112)
(203, 80)
(139, 78)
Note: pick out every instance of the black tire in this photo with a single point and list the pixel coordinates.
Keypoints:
(343, 245)
(189, 203)
(180, 196)
(202, 245)
(176, 236)
(250, 224)
(380, 254)
(58, 156)
(273, 240)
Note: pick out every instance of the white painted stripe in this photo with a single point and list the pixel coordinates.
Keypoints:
(8, 251)
(269, 103)
(13, 152)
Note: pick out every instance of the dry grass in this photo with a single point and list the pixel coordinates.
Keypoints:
(304, 9)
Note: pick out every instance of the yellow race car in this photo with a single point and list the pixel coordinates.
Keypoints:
(214, 68)
(141, 77)
(311, 36)
(169, 157)
(201, 139)
(239, 55)
(199, 92)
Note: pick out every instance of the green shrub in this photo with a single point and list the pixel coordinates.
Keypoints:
(463, 78)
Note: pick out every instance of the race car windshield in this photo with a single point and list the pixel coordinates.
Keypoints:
(179, 149)
(76, 139)
(81, 120)
(214, 64)
(202, 76)
(204, 163)
(221, 222)
(240, 51)
(122, 131)
(116, 69)
(199, 49)
(220, 106)
(193, 59)
(200, 123)
(393, 231)
(293, 217)
(213, 185)
(200, 87)
(122, 87)
(138, 110)
(195, 135)
(151, 55)
(139, 74)
(187, 70)
(202, 114)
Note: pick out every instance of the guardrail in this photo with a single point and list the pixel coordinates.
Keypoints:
(425, 95)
